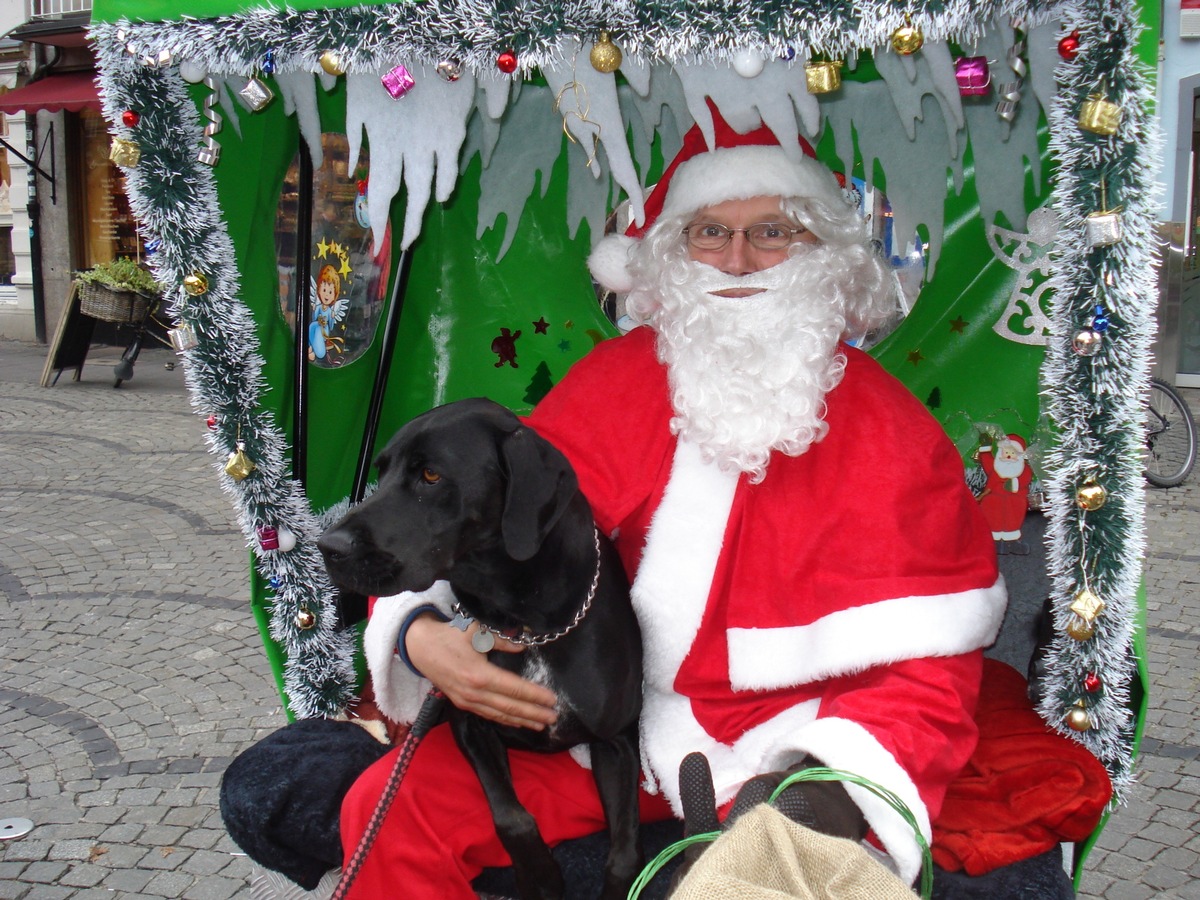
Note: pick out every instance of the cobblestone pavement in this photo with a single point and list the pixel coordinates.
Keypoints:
(131, 670)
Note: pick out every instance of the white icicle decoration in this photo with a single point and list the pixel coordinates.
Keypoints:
(298, 91)
(415, 138)
(773, 96)
(587, 101)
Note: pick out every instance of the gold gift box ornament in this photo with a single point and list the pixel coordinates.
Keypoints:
(239, 466)
(1099, 115)
(125, 153)
(823, 76)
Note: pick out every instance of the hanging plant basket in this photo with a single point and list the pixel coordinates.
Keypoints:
(119, 290)
(111, 305)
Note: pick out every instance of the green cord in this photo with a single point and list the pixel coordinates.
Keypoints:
(817, 773)
(820, 773)
(669, 853)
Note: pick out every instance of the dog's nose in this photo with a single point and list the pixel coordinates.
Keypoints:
(336, 544)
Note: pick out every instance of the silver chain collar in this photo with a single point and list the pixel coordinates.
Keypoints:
(487, 634)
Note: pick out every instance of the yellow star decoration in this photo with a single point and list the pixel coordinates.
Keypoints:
(333, 248)
(915, 356)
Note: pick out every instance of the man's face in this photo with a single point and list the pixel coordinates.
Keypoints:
(739, 256)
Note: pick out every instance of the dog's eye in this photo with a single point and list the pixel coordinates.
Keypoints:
(430, 477)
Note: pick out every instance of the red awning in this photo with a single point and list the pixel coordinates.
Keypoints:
(72, 91)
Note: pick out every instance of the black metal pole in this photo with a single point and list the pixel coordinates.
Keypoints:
(390, 328)
(352, 607)
(304, 197)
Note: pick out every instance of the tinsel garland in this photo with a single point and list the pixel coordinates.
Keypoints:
(1098, 401)
(475, 32)
(175, 200)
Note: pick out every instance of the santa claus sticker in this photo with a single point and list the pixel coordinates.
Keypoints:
(1005, 496)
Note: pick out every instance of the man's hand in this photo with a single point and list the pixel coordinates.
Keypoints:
(445, 656)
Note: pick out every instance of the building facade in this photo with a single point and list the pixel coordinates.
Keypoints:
(68, 204)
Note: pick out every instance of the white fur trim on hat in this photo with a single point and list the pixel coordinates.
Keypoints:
(738, 173)
(609, 263)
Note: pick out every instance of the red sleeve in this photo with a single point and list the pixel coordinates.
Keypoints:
(610, 416)
(920, 711)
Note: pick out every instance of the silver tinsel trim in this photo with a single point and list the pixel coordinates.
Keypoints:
(1098, 401)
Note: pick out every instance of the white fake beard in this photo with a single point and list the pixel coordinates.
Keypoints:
(749, 376)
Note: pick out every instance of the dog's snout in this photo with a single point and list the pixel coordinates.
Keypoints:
(336, 544)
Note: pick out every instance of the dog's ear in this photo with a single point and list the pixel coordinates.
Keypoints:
(540, 485)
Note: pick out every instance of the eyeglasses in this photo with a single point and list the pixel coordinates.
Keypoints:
(763, 236)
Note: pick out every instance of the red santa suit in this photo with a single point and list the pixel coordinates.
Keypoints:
(837, 608)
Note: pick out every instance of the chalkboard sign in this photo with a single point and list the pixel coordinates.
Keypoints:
(72, 339)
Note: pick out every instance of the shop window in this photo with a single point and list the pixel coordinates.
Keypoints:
(348, 279)
(109, 229)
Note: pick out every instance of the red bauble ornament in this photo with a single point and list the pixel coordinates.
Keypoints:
(1091, 682)
(131, 117)
(1068, 47)
(506, 62)
(211, 422)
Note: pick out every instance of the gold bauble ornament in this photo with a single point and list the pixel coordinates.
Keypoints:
(331, 62)
(1091, 496)
(305, 619)
(1079, 630)
(1079, 719)
(239, 465)
(908, 38)
(196, 284)
(1087, 342)
(125, 153)
(605, 56)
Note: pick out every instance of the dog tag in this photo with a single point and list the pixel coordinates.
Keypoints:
(461, 621)
(483, 641)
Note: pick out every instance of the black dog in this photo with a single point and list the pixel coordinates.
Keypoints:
(469, 495)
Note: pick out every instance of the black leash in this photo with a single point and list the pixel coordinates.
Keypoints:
(428, 716)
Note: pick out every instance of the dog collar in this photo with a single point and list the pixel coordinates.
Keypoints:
(485, 638)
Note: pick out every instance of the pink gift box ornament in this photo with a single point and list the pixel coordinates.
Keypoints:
(268, 538)
(972, 75)
(398, 82)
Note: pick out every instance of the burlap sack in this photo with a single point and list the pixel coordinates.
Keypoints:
(767, 856)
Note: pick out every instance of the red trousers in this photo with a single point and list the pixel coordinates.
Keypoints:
(438, 835)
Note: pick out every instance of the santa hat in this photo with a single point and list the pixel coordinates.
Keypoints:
(736, 167)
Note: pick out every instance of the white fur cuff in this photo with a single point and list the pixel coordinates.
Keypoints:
(842, 744)
(398, 692)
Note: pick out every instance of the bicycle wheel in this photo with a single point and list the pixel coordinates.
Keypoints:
(1170, 437)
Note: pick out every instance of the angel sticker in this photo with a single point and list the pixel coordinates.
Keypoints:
(328, 310)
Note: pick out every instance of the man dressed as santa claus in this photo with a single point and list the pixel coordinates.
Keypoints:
(813, 579)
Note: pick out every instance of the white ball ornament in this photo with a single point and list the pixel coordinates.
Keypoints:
(193, 72)
(287, 540)
(747, 63)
